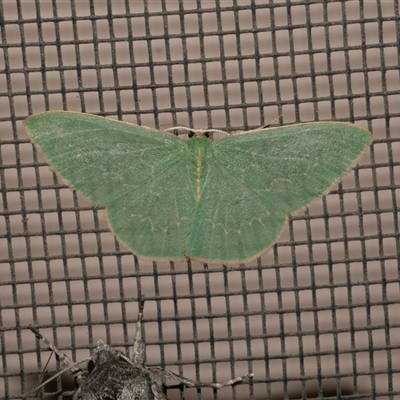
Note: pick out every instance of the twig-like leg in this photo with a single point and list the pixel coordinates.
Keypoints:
(139, 354)
(188, 382)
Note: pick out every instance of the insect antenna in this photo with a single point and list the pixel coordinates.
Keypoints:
(68, 364)
(37, 385)
(139, 346)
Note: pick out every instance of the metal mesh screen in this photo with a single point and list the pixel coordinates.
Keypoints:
(317, 316)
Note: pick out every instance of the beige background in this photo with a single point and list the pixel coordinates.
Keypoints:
(46, 268)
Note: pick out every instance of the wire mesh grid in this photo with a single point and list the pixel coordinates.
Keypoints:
(317, 316)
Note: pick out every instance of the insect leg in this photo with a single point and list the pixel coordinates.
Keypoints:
(190, 383)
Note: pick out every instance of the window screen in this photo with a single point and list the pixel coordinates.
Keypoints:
(315, 317)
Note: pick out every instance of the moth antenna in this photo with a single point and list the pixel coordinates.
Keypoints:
(139, 346)
(166, 126)
(185, 128)
(66, 369)
(69, 365)
(36, 386)
(270, 122)
(64, 359)
(215, 131)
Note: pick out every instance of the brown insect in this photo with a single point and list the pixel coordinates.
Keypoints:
(117, 377)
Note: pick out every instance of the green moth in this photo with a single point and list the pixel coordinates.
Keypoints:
(223, 201)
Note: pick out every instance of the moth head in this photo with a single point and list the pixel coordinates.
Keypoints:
(185, 133)
(103, 353)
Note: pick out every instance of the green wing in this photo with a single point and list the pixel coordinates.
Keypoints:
(155, 219)
(232, 222)
(139, 174)
(293, 165)
(258, 178)
(102, 158)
